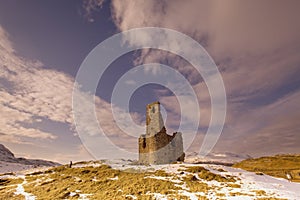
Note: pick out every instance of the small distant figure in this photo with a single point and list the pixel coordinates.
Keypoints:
(71, 164)
(288, 176)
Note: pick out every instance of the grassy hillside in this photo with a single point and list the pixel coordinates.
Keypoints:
(277, 166)
(104, 182)
(97, 180)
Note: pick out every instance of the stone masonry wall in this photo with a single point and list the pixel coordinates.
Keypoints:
(156, 146)
(154, 121)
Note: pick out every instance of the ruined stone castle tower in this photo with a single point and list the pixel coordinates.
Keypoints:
(156, 146)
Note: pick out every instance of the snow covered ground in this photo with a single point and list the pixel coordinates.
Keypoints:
(277, 187)
(249, 183)
(9, 163)
(6, 167)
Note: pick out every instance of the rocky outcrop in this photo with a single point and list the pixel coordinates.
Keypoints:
(7, 156)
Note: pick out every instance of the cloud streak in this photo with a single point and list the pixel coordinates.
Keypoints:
(31, 94)
(256, 46)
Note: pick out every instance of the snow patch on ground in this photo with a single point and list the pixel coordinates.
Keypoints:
(159, 196)
(115, 178)
(131, 196)
(81, 196)
(276, 187)
(6, 167)
(84, 196)
(20, 190)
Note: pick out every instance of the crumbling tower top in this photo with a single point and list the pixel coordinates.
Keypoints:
(154, 121)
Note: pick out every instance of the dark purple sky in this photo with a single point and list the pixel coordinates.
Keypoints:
(255, 45)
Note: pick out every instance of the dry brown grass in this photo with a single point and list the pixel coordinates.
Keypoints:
(209, 176)
(277, 166)
(8, 187)
(98, 182)
(104, 182)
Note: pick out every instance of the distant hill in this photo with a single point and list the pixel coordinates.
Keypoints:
(9, 163)
(283, 166)
(224, 158)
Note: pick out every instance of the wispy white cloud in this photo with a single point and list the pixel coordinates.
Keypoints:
(266, 129)
(36, 94)
(33, 92)
(256, 46)
(90, 6)
(223, 24)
